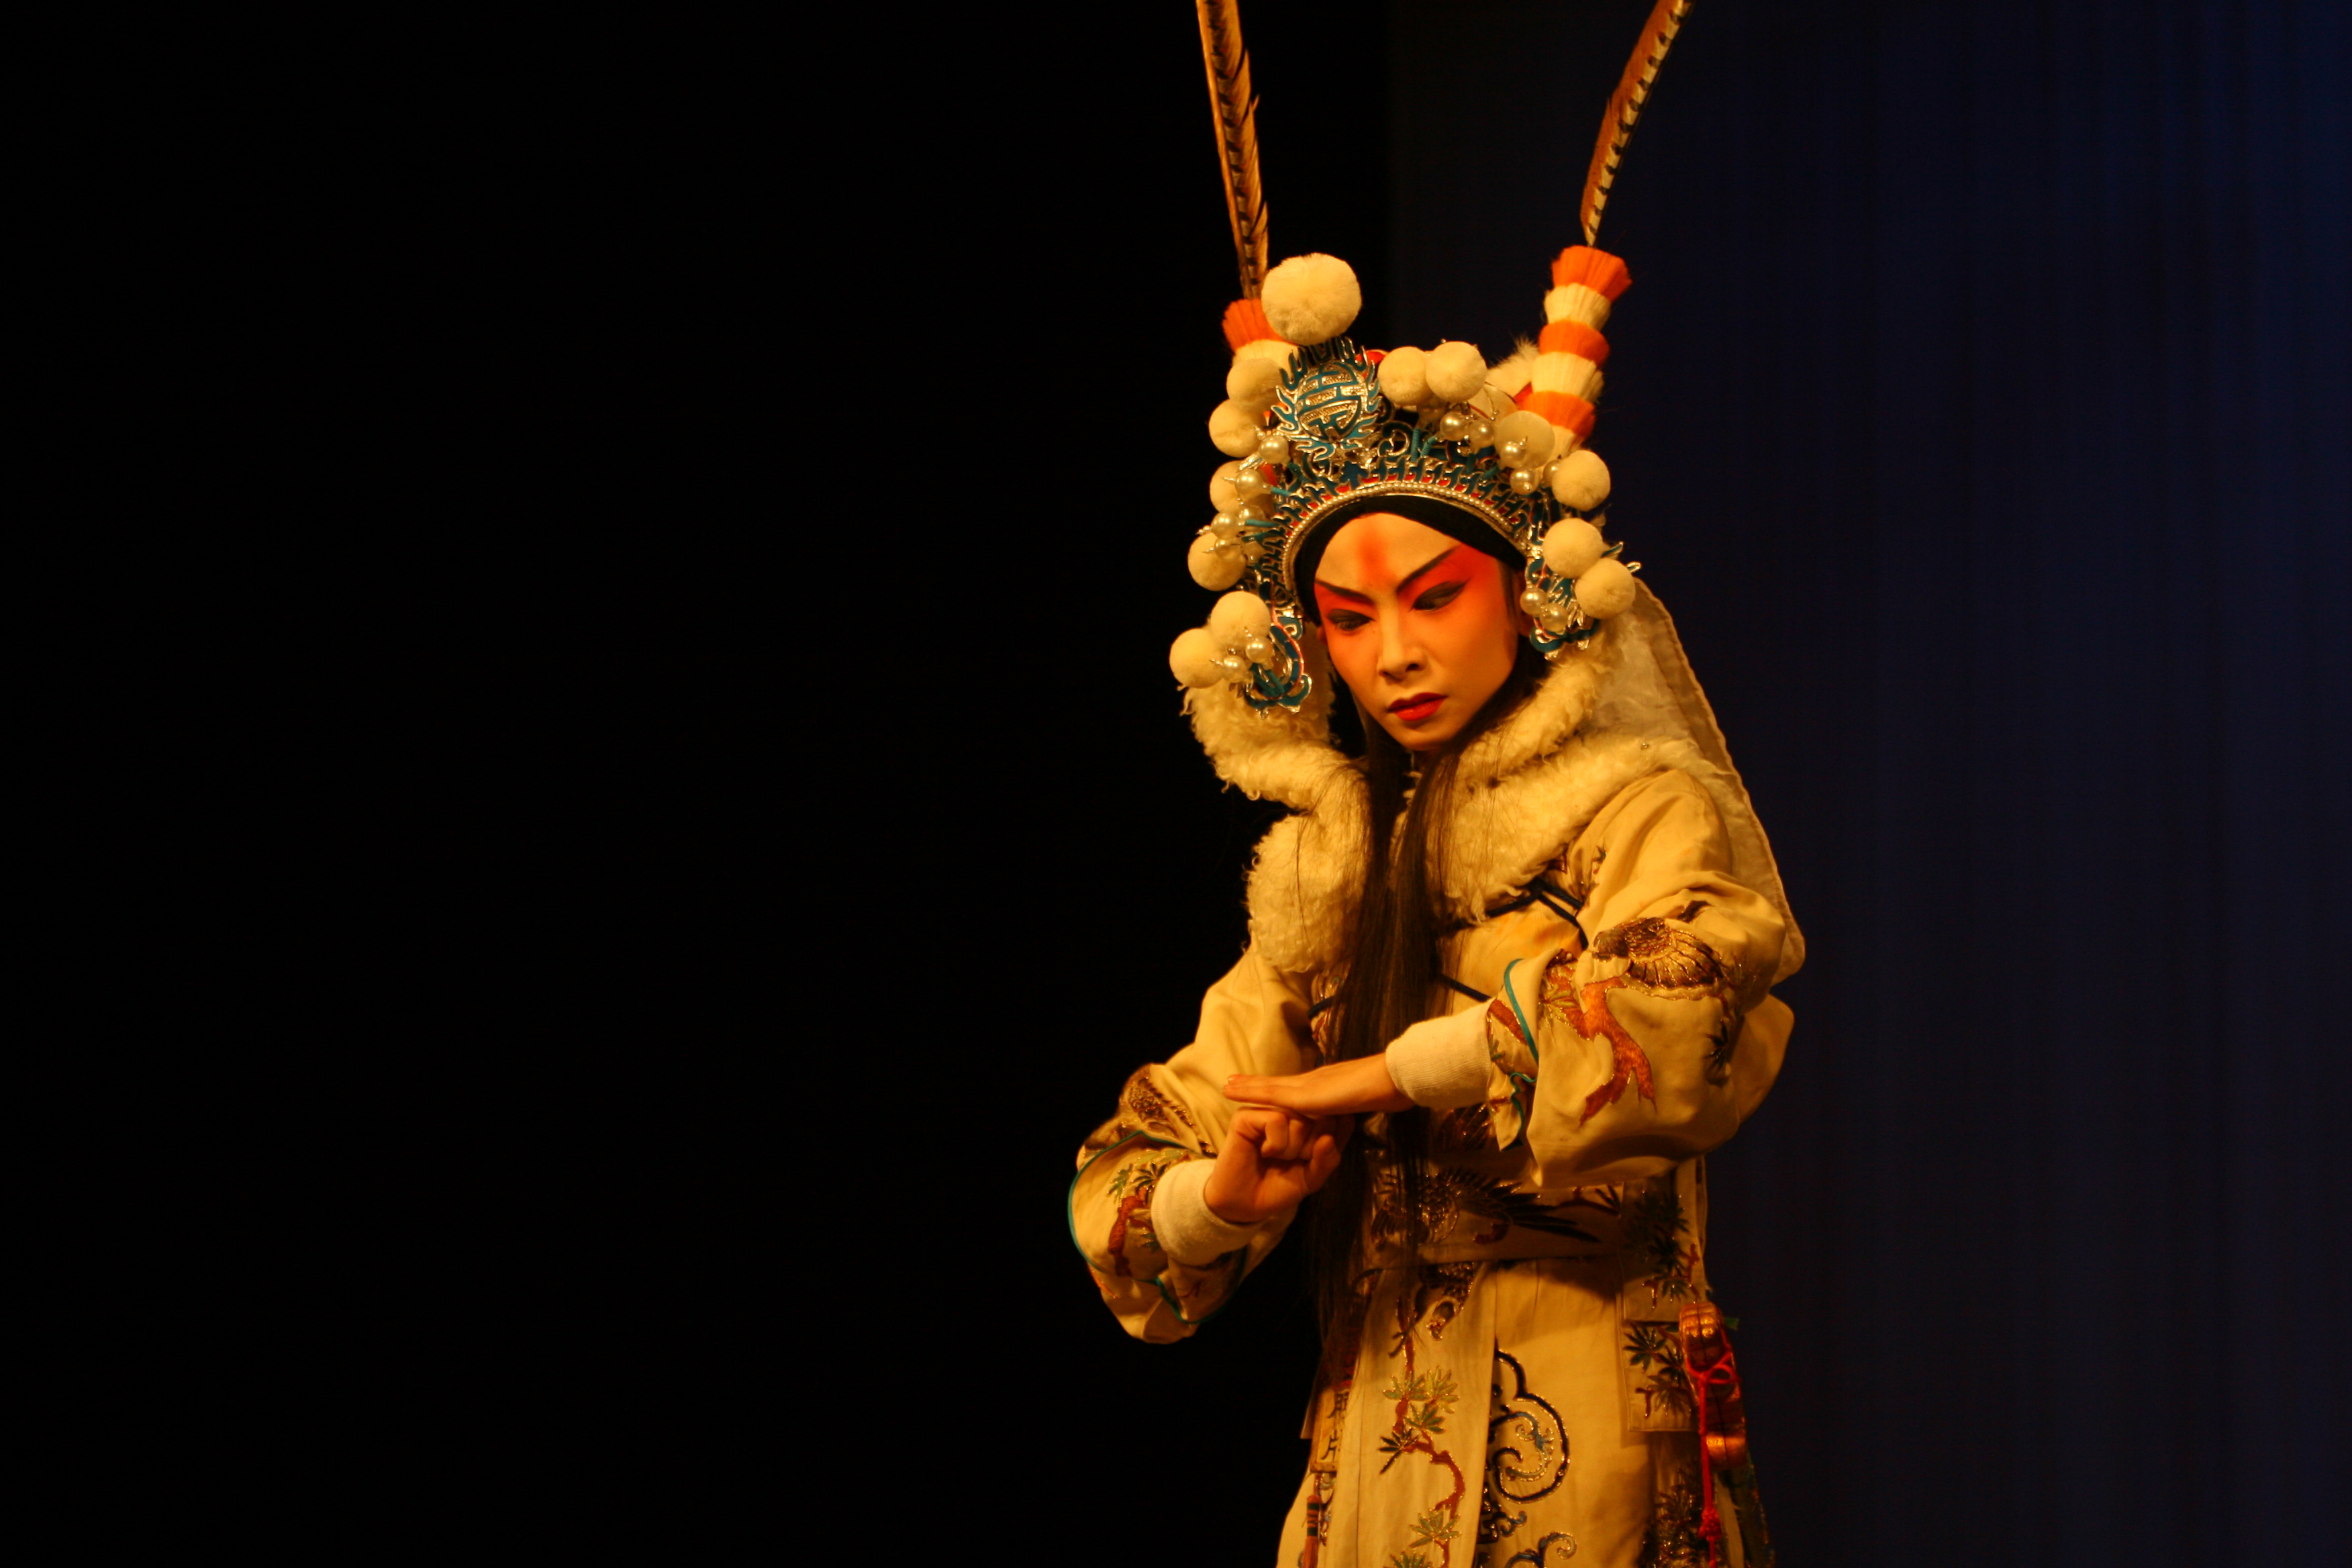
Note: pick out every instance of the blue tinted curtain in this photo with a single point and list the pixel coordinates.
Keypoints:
(1979, 408)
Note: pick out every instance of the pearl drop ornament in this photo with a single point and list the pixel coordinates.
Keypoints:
(1571, 546)
(1257, 650)
(1249, 511)
(1524, 481)
(1211, 567)
(1534, 600)
(1532, 431)
(1605, 589)
(1512, 453)
(1274, 448)
(1251, 481)
(1224, 527)
(1482, 433)
(1553, 620)
(1453, 426)
(1222, 493)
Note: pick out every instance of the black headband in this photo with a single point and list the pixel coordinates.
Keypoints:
(1443, 516)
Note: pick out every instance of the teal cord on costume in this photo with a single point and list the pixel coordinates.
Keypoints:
(1513, 998)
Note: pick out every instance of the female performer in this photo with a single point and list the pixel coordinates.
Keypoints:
(1509, 969)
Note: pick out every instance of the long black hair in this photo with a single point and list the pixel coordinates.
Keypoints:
(1391, 982)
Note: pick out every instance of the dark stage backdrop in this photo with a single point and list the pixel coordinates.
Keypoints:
(1979, 410)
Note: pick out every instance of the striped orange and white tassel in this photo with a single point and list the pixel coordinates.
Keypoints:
(1565, 381)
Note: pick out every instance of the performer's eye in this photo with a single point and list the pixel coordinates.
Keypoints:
(1438, 597)
(1345, 620)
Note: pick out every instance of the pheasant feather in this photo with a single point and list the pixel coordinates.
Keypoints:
(1236, 108)
(1625, 108)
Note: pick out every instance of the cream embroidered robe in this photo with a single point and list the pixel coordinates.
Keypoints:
(1518, 1398)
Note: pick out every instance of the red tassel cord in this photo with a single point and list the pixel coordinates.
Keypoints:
(1714, 1374)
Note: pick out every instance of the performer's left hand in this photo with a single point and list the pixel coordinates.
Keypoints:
(1342, 1088)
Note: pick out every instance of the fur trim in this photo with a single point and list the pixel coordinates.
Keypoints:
(1623, 709)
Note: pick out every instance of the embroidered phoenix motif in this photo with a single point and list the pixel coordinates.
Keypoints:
(1662, 958)
(1666, 957)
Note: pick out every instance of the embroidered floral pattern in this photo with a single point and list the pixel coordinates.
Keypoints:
(1655, 1352)
(1675, 1536)
(1654, 1229)
(1131, 1184)
(1423, 1401)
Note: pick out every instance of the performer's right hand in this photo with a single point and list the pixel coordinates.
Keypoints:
(1271, 1161)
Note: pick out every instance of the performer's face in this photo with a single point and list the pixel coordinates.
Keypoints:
(1422, 628)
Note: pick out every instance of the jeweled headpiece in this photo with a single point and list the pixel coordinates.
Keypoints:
(1320, 430)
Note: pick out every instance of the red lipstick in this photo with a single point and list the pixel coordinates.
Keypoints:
(1417, 707)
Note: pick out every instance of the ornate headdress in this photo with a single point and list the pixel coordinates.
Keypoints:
(1321, 429)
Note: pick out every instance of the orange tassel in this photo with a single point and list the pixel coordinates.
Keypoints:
(1566, 337)
(1561, 408)
(1596, 270)
(1245, 324)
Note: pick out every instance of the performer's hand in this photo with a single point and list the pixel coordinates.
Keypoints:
(1270, 1161)
(1342, 1088)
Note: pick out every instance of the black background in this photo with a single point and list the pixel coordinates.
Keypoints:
(664, 541)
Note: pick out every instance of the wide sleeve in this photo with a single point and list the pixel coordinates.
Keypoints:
(1647, 1038)
(1252, 1021)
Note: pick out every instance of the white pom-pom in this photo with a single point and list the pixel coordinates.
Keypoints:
(1196, 659)
(1531, 428)
(1222, 493)
(1571, 547)
(1456, 371)
(1237, 618)
(1404, 377)
(1234, 429)
(1253, 383)
(1604, 589)
(1311, 298)
(1582, 480)
(1211, 567)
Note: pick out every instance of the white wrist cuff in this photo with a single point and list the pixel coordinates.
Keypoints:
(1442, 1063)
(1187, 1229)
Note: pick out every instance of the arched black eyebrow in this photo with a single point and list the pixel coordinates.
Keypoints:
(1430, 565)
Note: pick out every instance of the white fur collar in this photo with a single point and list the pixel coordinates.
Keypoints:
(1526, 790)
(1625, 707)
